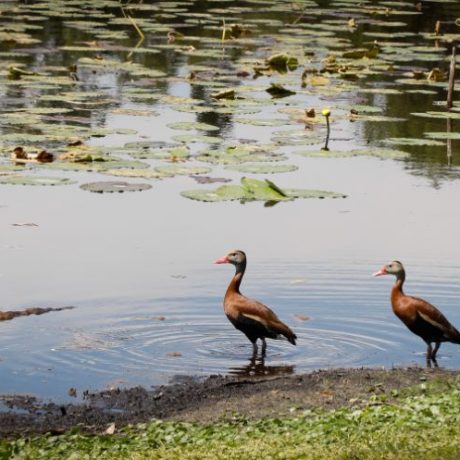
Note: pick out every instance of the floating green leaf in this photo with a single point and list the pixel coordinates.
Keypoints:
(177, 168)
(371, 152)
(433, 114)
(34, 180)
(277, 90)
(186, 138)
(443, 135)
(255, 190)
(263, 122)
(138, 173)
(264, 168)
(412, 141)
(190, 125)
(282, 62)
(97, 166)
(222, 193)
(114, 187)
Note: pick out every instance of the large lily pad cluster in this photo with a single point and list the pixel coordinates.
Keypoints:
(233, 90)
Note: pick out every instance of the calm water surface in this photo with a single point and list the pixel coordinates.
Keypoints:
(138, 267)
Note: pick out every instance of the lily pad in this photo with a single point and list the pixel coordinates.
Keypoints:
(364, 108)
(371, 152)
(264, 168)
(97, 166)
(277, 90)
(179, 169)
(186, 138)
(190, 125)
(443, 135)
(138, 173)
(282, 62)
(238, 154)
(263, 122)
(222, 193)
(158, 153)
(412, 141)
(35, 180)
(114, 187)
(256, 190)
(433, 114)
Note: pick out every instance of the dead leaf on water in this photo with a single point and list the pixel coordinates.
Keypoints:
(301, 317)
(72, 392)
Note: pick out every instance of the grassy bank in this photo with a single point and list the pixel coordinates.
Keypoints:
(420, 423)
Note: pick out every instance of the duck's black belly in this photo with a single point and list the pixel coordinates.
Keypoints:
(252, 328)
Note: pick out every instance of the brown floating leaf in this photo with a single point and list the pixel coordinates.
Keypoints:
(301, 317)
(20, 156)
(224, 94)
(7, 315)
(437, 74)
(72, 392)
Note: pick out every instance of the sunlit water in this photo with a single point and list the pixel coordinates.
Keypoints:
(139, 267)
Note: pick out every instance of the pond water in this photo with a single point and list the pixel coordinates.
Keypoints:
(138, 266)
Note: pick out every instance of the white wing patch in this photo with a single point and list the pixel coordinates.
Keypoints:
(255, 318)
(433, 322)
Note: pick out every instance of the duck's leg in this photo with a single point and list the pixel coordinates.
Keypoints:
(433, 354)
(264, 347)
(436, 348)
(254, 350)
(429, 351)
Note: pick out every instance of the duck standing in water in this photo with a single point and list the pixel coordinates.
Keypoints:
(422, 318)
(251, 317)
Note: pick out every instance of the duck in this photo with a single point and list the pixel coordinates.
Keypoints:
(252, 318)
(420, 317)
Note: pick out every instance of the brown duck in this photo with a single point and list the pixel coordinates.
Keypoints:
(422, 318)
(249, 316)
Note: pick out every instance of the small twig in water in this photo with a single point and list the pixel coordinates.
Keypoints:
(224, 31)
(450, 90)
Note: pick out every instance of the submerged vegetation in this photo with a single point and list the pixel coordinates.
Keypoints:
(421, 422)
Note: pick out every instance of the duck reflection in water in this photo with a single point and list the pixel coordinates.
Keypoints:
(257, 368)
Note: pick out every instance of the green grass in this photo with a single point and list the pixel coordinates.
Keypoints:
(422, 426)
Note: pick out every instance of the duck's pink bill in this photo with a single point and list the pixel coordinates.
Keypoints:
(381, 272)
(222, 260)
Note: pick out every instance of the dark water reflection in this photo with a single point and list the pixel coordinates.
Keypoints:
(257, 367)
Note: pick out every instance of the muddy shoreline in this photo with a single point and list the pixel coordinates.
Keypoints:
(214, 398)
